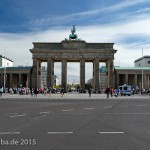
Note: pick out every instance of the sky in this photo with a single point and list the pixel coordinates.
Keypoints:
(123, 22)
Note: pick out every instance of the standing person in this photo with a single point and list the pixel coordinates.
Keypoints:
(50, 91)
(111, 92)
(107, 91)
(62, 92)
(89, 92)
(35, 92)
(32, 91)
(1, 91)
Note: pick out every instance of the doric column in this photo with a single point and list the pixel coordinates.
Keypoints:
(28, 80)
(145, 79)
(1, 79)
(10, 83)
(96, 75)
(36, 74)
(126, 79)
(64, 75)
(110, 73)
(20, 79)
(135, 79)
(148, 82)
(117, 80)
(82, 74)
(50, 73)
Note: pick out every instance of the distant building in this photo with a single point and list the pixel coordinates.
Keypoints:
(102, 78)
(20, 76)
(132, 76)
(44, 77)
(6, 62)
(127, 75)
(15, 77)
(142, 62)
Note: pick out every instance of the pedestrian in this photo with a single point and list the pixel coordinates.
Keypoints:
(35, 92)
(1, 90)
(62, 92)
(107, 91)
(89, 91)
(111, 92)
(50, 91)
(31, 91)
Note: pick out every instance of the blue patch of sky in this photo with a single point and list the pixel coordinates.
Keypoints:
(135, 39)
(27, 15)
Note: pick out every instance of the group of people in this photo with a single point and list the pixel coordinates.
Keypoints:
(45, 91)
(111, 91)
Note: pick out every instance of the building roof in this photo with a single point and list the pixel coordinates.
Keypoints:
(147, 56)
(103, 68)
(131, 68)
(1, 56)
(17, 68)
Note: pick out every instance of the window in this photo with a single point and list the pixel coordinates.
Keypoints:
(148, 62)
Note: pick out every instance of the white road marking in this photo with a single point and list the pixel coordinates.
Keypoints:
(140, 105)
(17, 116)
(111, 132)
(74, 113)
(59, 132)
(9, 133)
(88, 108)
(47, 112)
(124, 106)
(108, 107)
(68, 110)
(127, 113)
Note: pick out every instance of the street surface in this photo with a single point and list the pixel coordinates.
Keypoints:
(74, 122)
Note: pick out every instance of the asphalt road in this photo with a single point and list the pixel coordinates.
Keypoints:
(114, 124)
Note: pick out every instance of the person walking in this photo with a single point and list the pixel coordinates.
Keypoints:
(107, 91)
(89, 91)
(62, 92)
(35, 92)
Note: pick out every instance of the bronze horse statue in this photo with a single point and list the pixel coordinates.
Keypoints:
(73, 36)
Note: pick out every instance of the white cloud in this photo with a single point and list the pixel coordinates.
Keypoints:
(16, 46)
(89, 13)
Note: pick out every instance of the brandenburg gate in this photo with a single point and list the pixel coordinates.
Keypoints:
(72, 50)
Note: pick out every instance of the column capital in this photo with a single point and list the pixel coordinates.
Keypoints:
(64, 59)
(82, 59)
(96, 59)
(50, 59)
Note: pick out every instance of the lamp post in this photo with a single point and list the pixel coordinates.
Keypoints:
(4, 75)
(142, 69)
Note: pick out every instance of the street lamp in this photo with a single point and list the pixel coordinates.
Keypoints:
(142, 69)
(4, 77)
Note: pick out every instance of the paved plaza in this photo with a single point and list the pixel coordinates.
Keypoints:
(71, 96)
(74, 122)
